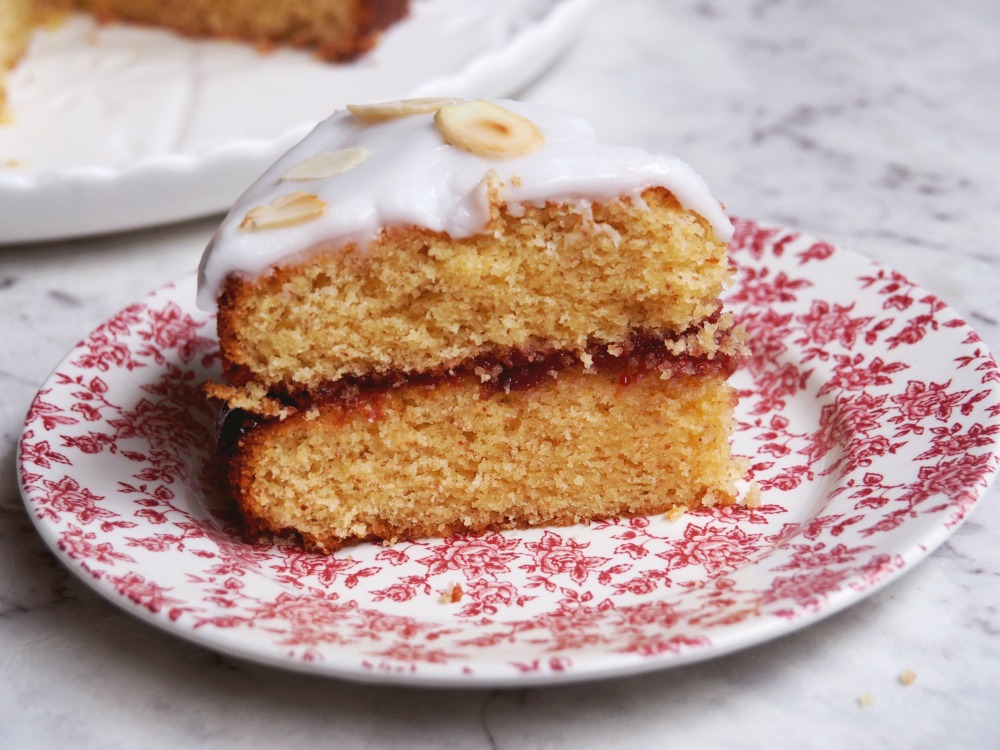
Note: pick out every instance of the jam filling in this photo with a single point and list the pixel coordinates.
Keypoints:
(522, 368)
(513, 370)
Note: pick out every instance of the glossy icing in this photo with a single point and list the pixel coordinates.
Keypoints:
(411, 177)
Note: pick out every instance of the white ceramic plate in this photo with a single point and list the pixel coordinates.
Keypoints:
(869, 411)
(120, 127)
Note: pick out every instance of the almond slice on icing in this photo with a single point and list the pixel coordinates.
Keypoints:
(399, 108)
(327, 164)
(487, 129)
(293, 208)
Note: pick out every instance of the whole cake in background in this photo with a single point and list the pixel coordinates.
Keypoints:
(333, 29)
(439, 316)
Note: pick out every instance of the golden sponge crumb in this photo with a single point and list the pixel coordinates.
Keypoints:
(431, 460)
(676, 513)
(557, 277)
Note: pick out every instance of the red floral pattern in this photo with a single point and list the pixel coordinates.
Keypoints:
(869, 412)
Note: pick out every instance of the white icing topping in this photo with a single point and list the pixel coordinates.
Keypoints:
(411, 177)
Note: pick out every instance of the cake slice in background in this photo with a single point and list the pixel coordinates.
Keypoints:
(335, 29)
(440, 316)
(15, 31)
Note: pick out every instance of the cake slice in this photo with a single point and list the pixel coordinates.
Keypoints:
(440, 316)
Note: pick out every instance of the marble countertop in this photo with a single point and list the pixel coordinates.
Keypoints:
(869, 127)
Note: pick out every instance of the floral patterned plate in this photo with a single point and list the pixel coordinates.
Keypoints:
(870, 414)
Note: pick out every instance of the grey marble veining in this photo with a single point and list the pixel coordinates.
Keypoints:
(870, 125)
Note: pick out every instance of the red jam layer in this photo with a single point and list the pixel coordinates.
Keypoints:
(513, 370)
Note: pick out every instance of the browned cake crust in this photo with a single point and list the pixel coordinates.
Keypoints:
(335, 29)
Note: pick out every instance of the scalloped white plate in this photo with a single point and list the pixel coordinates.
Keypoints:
(120, 127)
(870, 413)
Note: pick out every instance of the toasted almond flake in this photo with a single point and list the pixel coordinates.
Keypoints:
(284, 211)
(907, 677)
(399, 108)
(487, 129)
(327, 164)
(865, 700)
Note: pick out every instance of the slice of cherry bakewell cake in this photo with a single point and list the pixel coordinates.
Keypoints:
(440, 316)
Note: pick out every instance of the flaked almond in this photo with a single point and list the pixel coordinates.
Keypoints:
(293, 208)
(399, 108)
(327, 164)
(487, 129)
